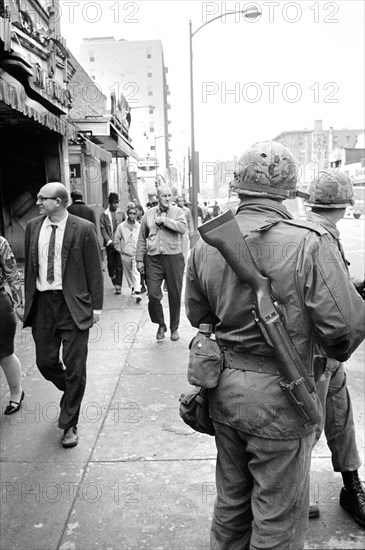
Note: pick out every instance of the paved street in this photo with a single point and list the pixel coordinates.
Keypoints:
(139, 478)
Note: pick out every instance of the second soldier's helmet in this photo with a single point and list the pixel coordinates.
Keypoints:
(266, 169)
(331, 189)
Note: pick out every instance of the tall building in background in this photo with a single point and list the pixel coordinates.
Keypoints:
(136, 70)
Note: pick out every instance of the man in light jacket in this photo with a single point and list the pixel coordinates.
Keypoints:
(160, 257)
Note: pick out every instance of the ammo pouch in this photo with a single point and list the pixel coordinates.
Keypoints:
(194, 410)
(205, 362)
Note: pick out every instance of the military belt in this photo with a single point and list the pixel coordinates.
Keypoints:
(249, 362)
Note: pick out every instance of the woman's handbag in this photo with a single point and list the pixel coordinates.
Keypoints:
(194, 410)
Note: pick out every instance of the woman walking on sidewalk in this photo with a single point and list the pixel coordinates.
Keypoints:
(8, 360)
(125, 238)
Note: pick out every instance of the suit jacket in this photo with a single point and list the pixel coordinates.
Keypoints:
(80, 209)
(82, 276)
(106, 228)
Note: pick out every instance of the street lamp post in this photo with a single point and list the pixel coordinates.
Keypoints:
(156, 138)
(249, 14)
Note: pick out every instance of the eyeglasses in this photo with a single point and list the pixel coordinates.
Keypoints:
(132, 213)
(40, 198)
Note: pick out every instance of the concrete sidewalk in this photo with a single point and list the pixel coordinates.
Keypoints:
(139, 477)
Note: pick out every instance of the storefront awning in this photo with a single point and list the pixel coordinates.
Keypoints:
(12, 97)
(94, 151)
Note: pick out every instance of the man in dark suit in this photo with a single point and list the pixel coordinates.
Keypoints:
(109, 221)
(80, 209)
(63, 297)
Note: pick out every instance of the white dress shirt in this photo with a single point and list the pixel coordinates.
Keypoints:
(43, 243)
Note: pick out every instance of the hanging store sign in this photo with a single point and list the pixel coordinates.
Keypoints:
(49, 87)
(147, 164)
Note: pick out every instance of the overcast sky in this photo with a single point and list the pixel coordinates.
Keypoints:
(298, 62)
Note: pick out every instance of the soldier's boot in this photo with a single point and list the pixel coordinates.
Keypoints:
(352, 496)
(313, 511)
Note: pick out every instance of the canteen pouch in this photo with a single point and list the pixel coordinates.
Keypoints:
(194, 410)
(205, 362)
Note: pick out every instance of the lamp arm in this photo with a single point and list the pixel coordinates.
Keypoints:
(214, 19)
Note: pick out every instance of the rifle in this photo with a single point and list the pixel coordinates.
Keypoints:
(298, 386)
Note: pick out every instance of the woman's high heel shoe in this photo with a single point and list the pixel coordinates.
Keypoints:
(14, 406)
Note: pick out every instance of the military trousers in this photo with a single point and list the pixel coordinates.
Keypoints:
(339, 426)
(262, 491)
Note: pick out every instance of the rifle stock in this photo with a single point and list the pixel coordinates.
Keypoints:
(223, 233)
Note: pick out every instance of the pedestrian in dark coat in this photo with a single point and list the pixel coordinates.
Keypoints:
(80, 209)
(63, 298)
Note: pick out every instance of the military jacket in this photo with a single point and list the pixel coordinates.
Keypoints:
(316, 299)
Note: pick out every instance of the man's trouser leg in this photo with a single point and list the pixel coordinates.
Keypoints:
(339, 424)
(174, 273)
(127, 269)
(262, 492)
(154, 276)
(115, 266)
(52, 326)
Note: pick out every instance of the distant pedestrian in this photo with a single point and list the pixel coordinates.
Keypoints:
(109, 221)
(8, 360)
(216, 209)
(159, 256)
(80, 209)
(205, 212)
(140, 212)
(200, 214)
(126, 237)
(63, 298)
(186, 237)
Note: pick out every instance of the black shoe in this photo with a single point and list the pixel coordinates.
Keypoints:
(313, 511)
(175, 335)
(352, 498)
(14, 406)
(70, 437)
(161, 332)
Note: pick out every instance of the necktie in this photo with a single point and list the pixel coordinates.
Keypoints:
(51, 251)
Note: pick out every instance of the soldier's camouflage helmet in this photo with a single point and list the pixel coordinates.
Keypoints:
(331, 189)
(266, 169)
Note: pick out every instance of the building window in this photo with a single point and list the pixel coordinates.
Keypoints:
(92, 56)
(150, 92)
(152, 148)
(149, 75)
(152, 127)
(149, 54)
(150, 111)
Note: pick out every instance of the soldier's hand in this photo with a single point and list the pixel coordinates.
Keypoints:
(140, 268)
(96, 318)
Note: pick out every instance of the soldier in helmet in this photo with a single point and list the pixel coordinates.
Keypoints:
(264, 446)
(330, 194)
